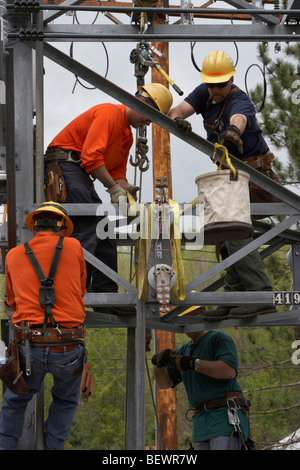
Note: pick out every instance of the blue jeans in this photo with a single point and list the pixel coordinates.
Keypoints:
(218, 443)
(66, 369)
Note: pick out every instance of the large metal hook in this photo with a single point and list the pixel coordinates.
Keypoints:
(141, 159)
(144, 165)
(137, 160)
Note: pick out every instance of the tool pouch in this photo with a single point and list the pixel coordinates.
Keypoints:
(54, 187)
(10, 373)
(87, 380)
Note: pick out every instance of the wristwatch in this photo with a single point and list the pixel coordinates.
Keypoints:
(197, 364)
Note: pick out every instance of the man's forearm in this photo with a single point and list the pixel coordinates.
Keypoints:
(240, 121)
(101, 173)
(215, 369)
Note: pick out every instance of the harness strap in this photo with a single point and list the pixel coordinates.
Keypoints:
(216, 126)
(47, 291)
(237, 397)
(55, 260)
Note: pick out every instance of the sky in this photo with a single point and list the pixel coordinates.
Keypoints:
(63, 102)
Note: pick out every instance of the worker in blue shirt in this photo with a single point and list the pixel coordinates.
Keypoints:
(239, 106)
(229, 119)
(208, 366)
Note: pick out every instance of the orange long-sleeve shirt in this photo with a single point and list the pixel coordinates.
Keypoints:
(22, 284)
(100, 136)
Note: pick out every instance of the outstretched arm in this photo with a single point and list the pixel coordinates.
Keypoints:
(179, 113)
(182, 110)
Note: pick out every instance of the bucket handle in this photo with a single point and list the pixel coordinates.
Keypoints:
(225, 155)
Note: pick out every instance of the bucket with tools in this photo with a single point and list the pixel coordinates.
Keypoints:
(224, 195)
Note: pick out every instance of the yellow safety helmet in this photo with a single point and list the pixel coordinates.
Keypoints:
(159, 94)
(56, 208)
(217, 67)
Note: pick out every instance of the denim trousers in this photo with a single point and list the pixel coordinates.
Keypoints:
(218, 443)
(66, 369)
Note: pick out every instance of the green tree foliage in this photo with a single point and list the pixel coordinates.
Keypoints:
(280, 117)
(267, 375)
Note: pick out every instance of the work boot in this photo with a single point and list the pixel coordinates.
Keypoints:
(219, 313)
(248, 311)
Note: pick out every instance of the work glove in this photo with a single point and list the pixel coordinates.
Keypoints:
(116, 192)
(163, 359)
(183, 363)
(184, 126)
(132, 190)
(232, 133)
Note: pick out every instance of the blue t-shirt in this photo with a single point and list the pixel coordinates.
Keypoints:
(213, 346)
(239, 103)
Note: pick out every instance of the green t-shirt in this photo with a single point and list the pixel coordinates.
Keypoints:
(213, 346)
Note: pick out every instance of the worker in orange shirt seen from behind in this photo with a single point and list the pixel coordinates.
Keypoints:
(48, 322)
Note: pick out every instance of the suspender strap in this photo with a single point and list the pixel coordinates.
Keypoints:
(55, 260)
(47, 291)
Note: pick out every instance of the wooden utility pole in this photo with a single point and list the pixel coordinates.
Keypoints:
(165, 399)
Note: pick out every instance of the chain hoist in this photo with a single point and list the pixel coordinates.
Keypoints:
(161, 276)
(142, 58)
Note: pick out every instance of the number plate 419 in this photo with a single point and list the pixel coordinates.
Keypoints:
(286, 298)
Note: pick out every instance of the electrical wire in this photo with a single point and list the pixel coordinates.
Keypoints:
(192, 44)
(71, 54)
(258, 110)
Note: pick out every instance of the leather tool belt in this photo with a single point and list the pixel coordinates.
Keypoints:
(260, 161)
(61, 155)
(57, 337)
(235, 398)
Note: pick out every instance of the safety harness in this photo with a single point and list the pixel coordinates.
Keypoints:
(216, 126)
(233, 401)
(47, 290)
(47, 301)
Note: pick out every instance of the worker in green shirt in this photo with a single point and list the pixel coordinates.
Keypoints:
(208, 366)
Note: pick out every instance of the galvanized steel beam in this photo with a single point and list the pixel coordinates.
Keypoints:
(166, 33)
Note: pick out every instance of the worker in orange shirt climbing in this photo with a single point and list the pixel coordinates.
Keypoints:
(48, 319)
(95, 145)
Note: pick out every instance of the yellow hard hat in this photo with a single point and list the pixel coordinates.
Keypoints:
(56, 208)
(159, 94)
(217, 67)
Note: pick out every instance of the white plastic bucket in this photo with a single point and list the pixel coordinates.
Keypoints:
(226, 204)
